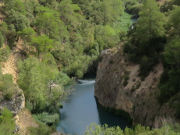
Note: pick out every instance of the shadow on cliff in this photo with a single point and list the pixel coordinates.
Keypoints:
(113, 117)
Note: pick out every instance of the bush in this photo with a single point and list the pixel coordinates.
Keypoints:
(1, 39)
(63, 79)
(7, 124)
(46, 118)
(41, 130)
(138, 130)
(133, 7)
(7, 86)
(4, 54)
(37, 79)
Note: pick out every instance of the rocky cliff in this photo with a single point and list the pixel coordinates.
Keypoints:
(118, 86)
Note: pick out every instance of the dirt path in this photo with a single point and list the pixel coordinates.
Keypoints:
(9, 67)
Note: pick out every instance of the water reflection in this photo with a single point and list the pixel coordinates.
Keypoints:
(80, 110)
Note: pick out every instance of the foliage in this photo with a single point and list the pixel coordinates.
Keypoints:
(174, 21)
(133, 7)
(1, 39)
(151, 22)
(4, 53)
(6, 86)
(42, 43)
(7, 124)
(41, 130)
(36, 79)
(47, 118)
(147, 38)
(169, 84)
(75, 32)
(101, 12)
(138, 130)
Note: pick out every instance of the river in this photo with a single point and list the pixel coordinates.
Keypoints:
(80, 110)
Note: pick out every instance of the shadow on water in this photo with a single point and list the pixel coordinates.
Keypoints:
(113, 118)
(80, 110)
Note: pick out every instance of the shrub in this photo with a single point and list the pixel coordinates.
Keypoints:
(4, 53)
(47, 118)
(7, 124)
(41, 130)
(138, 130)
(37, 78)
(7, 86)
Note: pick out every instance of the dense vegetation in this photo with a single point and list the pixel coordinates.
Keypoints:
(7, 87)
(154, 39)
(56, 40)
(63, 39)
(7, 124)
(138, 130)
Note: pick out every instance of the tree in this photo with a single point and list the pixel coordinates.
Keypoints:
(70, 13)
(42, 43)
(16, 5)
(106, 37)
(151, 22)
(34, 78)
(48, 22)
(147, 39)
(27, 34)
(174, 21)
(169, 83)
(111, 10)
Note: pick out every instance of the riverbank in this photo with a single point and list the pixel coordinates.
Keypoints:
(80, 110)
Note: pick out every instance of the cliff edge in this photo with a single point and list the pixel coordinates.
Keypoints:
(118, 86)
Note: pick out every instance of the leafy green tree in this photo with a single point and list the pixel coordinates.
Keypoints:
(147, 39)
(174, 21)
(151, 22)
(15, 5)
(106, 37)
(169, 84)
(42, 43)
(48, 22)
(34, 79)
(27, 34)
(112, 9)
(101, 12)
(70, 13)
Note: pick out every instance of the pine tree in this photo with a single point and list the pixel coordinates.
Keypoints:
(151, 22)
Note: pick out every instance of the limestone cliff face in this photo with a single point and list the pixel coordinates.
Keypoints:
(118, 86)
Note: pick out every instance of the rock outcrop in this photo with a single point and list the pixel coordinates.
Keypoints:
(119, 86)
(16, 104)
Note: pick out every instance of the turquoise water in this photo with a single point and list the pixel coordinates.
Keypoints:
(81, 109)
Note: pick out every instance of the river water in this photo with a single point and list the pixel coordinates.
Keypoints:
(80, 110)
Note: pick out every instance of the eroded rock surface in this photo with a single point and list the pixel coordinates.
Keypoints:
(119, 86)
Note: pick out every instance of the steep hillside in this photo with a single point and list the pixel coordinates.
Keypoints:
(119, 87)
(16, 105)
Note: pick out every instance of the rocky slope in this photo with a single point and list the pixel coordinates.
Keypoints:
(16, 105)
(18, 101)
(118, 86)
